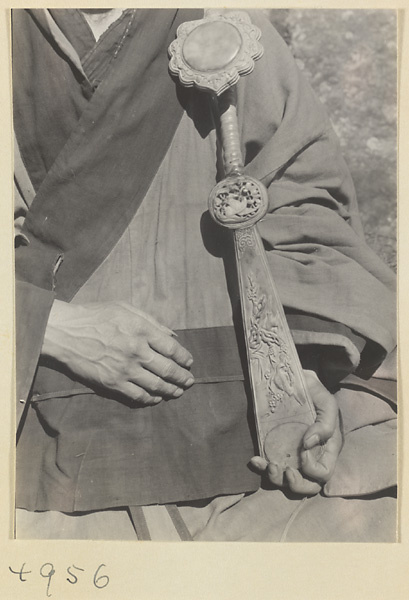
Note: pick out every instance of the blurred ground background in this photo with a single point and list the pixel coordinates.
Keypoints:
(349, 57)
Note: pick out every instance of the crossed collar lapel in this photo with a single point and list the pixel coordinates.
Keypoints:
(103, 172)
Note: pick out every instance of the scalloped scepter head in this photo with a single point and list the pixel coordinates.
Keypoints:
(212, 53)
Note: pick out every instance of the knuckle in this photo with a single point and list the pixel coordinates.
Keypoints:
(123, 368)
(143, 352)
(169, 370)
(112, 381)
(130, 346)
(142, 326)
(174, 347)
(156, 385)
(327, 430)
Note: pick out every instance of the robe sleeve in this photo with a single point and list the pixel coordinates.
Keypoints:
(338, 295)
(33, 306)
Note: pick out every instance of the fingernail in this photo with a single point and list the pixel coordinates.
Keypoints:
(190, 382)
(258, 462)
(178, 393)
(189, 362)
(312, 441)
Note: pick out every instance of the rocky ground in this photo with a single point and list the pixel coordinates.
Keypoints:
(349, 57)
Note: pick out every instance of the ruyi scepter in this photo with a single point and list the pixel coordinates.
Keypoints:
(211, 54)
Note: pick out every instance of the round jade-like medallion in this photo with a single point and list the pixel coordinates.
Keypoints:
(212, 46)
(238, 201)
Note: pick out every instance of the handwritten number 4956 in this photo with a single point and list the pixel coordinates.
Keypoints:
(47, 571)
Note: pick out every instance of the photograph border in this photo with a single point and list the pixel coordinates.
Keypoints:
(219, 570)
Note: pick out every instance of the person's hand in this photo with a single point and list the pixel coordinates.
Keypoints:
(321, 445)
(117, 348)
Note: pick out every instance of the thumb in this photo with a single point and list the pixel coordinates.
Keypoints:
(326, 408)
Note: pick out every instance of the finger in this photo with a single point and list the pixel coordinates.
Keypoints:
(327, 416)
(320, 471)
(322, 468)
(260, 464)
(275, 474)
(324, 426)
(168, 370)
(138, 395)
(151, 320)
(154, 384)
(170, 348)
(299, 485)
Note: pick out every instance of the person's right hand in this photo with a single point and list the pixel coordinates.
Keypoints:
(118, 348)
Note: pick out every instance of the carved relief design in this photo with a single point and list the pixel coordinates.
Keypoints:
(268, 350)
(238, 200)
(245, 239)
(218, 78)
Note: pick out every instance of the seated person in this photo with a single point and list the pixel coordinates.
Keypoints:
(127, 430)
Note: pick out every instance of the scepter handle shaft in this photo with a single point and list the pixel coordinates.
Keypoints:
(229, 125)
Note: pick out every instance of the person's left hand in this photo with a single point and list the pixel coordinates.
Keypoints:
(325, 432)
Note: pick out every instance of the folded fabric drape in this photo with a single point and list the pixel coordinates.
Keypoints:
(102, 161)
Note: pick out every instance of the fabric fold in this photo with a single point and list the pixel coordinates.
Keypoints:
(123, 163)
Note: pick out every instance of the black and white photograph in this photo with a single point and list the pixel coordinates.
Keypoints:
(205, 207)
